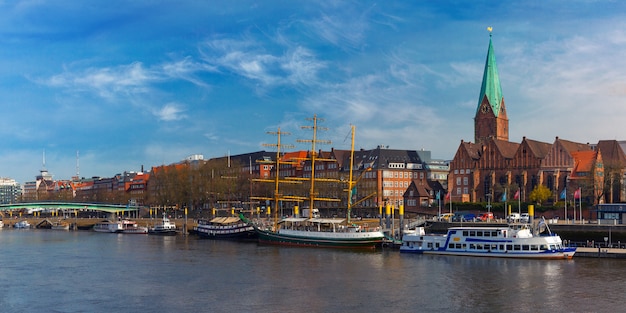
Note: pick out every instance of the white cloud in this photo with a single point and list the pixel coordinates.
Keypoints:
(170, 112)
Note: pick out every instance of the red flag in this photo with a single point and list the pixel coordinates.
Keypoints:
(448, 196)
(516, 196)
(577, 194)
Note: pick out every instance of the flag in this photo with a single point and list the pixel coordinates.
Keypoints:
(577, 194)
(563, 195)
(448, 196)
(438, 195)
(504, 197)
(516, 196)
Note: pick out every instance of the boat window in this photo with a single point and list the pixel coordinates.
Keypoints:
(459, 246)
(479, 233)
(534, 248)
(451, 246)
(465, 233)
(543, 247)
(494, 233)
(552, 247)
(430, 245)
(487, 234)
(472, 246)
(479, 247)
(437, 245)
(494, 247)
(525, 247)
(502, 247)
(516, 247)
(509, 247)
(472, 233)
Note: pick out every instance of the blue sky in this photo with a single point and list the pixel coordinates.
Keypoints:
(132, 83)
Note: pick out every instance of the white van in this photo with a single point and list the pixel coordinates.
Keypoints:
(513, 218)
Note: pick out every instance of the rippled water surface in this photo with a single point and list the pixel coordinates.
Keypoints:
(57, 271)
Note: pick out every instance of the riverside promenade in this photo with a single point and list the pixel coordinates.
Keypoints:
(589, 252)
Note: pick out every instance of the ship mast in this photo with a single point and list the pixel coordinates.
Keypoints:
(313, 157)
(277, 196)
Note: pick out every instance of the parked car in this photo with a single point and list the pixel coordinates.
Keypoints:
(445, 217)
(524, 218)
(513, 218)
(485, 217)
(463, 217)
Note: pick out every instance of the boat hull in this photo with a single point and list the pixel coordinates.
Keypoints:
(566, 253)
(232, 232)
(162, 232)
(363, 240)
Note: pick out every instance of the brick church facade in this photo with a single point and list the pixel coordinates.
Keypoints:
(496, 169)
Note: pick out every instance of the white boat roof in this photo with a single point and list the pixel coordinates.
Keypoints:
(294, 219)
(327, 220)
(314, 220)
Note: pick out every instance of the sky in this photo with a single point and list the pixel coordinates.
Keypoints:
(96, 88)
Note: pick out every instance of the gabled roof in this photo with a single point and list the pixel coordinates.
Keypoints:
(490, 87)
(571, 146)
(472, 149)
(539, 149)
(507, 149)
(583, 161)
(612, 153)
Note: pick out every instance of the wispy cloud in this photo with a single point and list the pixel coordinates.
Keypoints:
(171, 112)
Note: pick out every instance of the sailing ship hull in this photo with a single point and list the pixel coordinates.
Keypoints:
(356, 240)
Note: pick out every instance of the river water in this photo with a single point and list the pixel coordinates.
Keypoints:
(82, 271)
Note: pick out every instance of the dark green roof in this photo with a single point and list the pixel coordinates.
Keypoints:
(491, 82)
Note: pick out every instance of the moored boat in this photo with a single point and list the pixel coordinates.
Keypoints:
(131, 227)
(23, 224)
(108, 227)
(226, 228)
(321, 232)
(60, 226)
(164, 228)
(512, 241)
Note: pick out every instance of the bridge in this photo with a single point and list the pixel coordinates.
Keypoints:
(68, 206)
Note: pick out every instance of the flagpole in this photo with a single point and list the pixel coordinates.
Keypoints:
(580, 203)
(575, 206)
(565, 192)
(519, 202)
(439, 202)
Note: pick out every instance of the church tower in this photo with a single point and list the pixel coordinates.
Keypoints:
(491, 120)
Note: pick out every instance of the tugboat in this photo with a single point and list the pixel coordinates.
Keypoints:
(164, 228)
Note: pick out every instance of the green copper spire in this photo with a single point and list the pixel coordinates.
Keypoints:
(491, 82)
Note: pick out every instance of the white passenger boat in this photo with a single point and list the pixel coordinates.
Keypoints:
(513, 241)
(131, 227)
(108, 227)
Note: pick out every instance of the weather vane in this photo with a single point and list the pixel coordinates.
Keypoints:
(490, 29)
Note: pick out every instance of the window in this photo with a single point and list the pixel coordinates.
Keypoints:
(458, 181)
(465, 181)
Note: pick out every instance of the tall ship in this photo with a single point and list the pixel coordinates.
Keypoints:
(310, 231)
(512, 241)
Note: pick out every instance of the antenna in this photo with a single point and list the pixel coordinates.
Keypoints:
(77, 165)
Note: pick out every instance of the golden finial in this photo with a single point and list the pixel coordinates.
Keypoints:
(490, 29)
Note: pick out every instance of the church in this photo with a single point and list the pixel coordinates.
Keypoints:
(492, 168)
